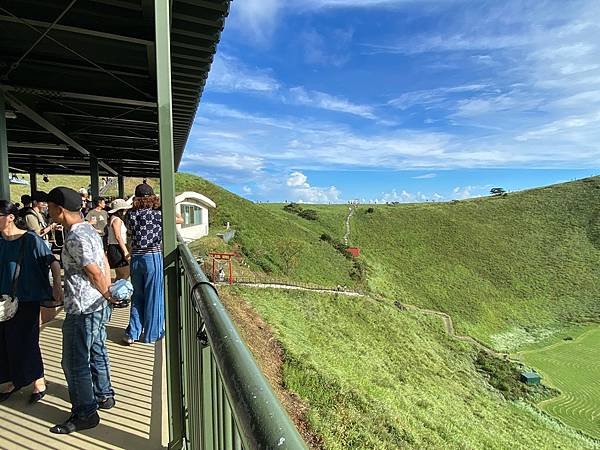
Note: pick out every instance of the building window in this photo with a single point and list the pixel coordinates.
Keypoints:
(192, 216)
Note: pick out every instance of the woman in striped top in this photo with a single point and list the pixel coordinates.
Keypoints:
(144, 222)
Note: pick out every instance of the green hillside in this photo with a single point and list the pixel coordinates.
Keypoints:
(571, 364)
(509, 270)
(374, 377)
(270, 243)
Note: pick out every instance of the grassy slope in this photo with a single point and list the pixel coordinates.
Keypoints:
(507, 269)
(260, 234)
(375, 377)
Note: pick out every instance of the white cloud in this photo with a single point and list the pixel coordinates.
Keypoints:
(433, 97)
(425, 176)
(403, 196)
(464, 192)
(221, 166)
(301, 96)
(312, 4)
(300, 191)
(256, 19)
(304, 143)
(327, 48)
(297, 179)
(229, 74)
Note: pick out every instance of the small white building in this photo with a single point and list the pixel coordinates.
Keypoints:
(193, 208)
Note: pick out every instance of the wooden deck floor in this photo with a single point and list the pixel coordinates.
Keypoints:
(138, 421)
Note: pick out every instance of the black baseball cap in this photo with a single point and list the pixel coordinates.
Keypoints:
(65, 197)
(143, 190)
(39, 196)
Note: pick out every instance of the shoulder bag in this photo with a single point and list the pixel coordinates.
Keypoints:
(9, 304)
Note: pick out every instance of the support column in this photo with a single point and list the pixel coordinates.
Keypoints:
(94, 178)
(33, 187)
(4, 173)
(162, 21)
(121, 184)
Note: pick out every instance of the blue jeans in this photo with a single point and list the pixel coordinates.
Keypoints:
(85, 360)
(147, 301)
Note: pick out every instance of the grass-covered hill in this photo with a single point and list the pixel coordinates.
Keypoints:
(509, 270)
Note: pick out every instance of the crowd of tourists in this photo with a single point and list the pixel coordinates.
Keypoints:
(58, 248)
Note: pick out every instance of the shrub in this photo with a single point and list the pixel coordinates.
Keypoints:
(309, 214)
(293, 208)
(359, 271)
(370, 210)
(326, 237)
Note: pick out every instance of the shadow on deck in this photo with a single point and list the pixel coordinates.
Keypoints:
(138, 421)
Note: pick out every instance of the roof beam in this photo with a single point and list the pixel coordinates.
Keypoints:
(77, 30)
(37, 145)
(76, 96)
(32, 115)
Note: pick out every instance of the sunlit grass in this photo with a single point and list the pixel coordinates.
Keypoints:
(375, 377)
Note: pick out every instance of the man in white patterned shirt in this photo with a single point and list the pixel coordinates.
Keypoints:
(87, 280)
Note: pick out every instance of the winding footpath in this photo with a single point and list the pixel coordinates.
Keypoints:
(347, 235)
(446, 319)
(448, 324)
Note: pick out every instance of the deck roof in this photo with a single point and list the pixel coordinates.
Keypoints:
(79, 78)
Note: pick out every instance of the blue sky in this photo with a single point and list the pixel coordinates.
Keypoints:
(399, 100)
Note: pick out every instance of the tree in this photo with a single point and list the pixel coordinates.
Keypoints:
(497, 191)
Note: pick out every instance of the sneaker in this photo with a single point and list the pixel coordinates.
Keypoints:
(127, 340)
(106, 403)
(75, 423)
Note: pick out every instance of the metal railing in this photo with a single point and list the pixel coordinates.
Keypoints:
(227, 402)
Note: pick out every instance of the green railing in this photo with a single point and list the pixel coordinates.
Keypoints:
(227, 402)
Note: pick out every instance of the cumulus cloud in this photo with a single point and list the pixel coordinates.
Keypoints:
(301, 191)
(403, 196)
(464, 192)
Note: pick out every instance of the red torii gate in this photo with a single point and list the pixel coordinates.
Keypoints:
(216, 256)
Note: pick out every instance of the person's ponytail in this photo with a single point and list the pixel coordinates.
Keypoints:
(7, 208)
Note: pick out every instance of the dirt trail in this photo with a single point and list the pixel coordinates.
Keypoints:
(448, 324)
(300, 288)
(347, 235)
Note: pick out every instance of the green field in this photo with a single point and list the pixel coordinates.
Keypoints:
(573, 366)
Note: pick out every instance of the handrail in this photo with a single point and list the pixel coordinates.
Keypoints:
(261, 420)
